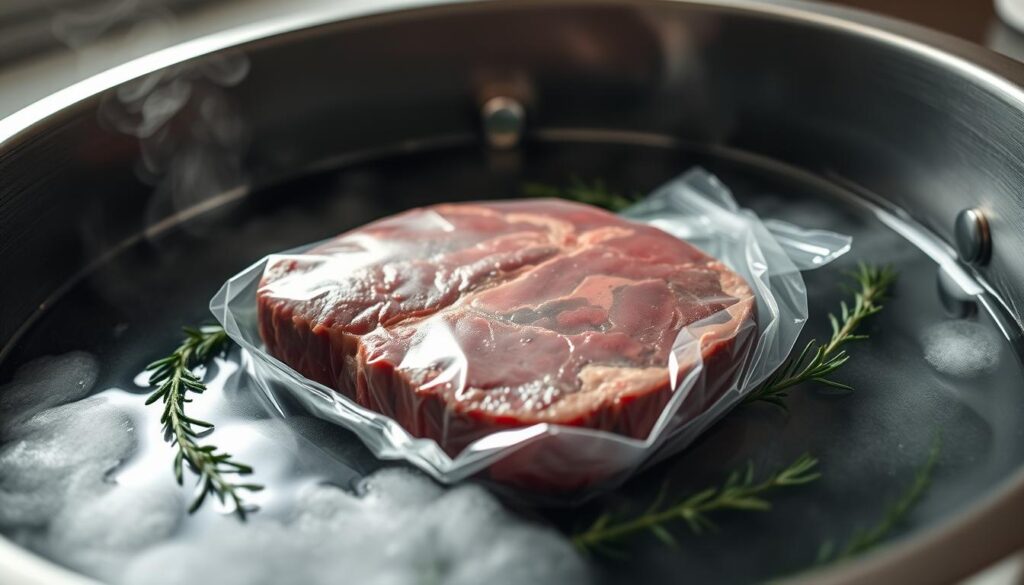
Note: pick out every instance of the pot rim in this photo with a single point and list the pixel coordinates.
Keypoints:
(910, 557)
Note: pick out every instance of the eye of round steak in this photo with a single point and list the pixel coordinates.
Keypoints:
(460, 320)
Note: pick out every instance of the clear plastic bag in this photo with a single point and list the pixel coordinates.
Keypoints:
(620, 417)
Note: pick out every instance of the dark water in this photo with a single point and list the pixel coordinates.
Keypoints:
(870, 442)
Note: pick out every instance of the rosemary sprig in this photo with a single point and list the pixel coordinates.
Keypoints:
(741, 491)
(866, 539)
(594, 194)
(174, 379)
(818, 361)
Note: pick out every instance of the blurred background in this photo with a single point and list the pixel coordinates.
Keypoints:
(48, 44)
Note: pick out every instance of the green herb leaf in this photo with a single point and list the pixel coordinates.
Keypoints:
(818, 361)
(741, 491)
(596, 193)
(174, 379)
(866, 539)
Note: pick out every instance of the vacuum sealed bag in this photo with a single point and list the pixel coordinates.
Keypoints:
(539, 343)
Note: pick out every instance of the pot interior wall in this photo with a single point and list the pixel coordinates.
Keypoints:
(909, 128)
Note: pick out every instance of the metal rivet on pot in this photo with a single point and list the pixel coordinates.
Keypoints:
(973, 239)
(503, 120)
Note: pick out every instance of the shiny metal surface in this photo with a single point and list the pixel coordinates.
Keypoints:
(956, 303)
(503, 120)
(973, 239)
(919, 121)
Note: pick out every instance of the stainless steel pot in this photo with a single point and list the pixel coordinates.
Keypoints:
(910, 118)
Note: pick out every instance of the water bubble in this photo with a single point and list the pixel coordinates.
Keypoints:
(961, 348)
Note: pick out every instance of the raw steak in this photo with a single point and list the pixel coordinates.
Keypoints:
(461, 320)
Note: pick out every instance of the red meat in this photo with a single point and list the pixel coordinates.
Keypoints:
(461, 320)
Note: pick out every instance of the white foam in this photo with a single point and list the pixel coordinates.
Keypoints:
(961, 348)
(44, 383)
(403, 529)
(57, 451)
(94, 533)
(79, 486)
(398, 487)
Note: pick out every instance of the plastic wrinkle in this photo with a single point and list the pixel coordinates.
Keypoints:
(501, 360)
